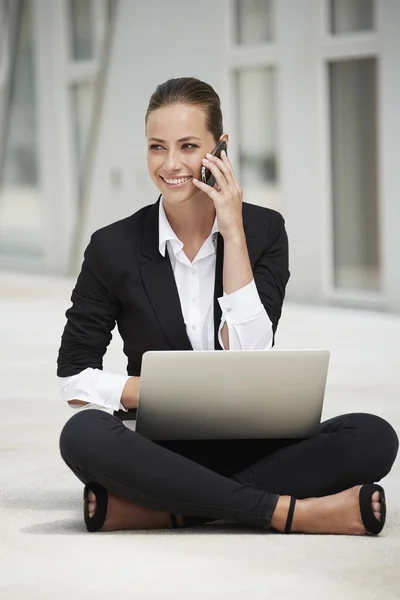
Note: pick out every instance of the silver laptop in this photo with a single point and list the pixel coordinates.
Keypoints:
(239, 394)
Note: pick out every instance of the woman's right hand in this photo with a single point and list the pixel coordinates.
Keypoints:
(130, 393)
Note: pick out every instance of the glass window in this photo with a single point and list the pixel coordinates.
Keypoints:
(4, 28)
(82, 42)
(355, 174)
(254, 21)
(4, 10)
(99, 15)
(82, 104)
(351, 15)
(21, 215)
(257, 134)
(20, 165)
(111, 9)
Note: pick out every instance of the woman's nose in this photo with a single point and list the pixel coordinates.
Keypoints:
(172, 162)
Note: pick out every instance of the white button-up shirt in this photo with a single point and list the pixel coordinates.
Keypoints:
(249, 327)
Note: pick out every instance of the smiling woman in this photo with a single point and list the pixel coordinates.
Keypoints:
(179, 136)
(199, 270)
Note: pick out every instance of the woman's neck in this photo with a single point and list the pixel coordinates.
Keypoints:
(192, 220)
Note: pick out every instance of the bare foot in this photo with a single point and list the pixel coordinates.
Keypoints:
(124, 514)
(335, 514)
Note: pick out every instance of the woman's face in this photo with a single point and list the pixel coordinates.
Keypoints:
(178, 140)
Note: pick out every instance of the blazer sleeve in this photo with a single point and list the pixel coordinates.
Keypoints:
(92, 316)
(271, 272)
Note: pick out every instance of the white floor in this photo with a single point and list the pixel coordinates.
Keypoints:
(45, 551)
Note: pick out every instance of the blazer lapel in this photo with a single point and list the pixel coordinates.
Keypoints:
(159, 282)
(218, 289)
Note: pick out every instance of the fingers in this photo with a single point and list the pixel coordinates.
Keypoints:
(207, 189)
(228, 163)
(225, 179)
(225, 166)
(220, 173)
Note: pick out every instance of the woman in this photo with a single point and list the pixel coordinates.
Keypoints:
(154, 274)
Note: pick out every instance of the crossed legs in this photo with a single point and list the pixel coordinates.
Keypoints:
(240, 480)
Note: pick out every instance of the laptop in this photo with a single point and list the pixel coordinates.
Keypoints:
(238, 394)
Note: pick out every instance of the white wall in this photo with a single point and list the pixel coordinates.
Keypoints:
(157, 40)
(299, 121)
(153, 42)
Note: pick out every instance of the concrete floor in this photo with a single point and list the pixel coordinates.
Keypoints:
(45, 551)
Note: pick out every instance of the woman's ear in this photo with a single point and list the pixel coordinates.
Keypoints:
(224, 137)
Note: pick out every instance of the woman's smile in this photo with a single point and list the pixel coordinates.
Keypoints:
(176, 182)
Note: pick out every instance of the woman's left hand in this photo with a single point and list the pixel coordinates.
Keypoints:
(227, 197)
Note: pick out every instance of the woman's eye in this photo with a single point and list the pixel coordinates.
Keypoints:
(185, 146)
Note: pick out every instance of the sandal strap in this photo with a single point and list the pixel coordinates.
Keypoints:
(97, 521)
(174, 522)
(290, 515)
(371, 523)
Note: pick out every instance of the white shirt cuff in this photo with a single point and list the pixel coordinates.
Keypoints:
(249, 326)
(96, 387)
(241, 306)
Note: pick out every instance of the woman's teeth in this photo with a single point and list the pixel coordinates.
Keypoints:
(177, 181)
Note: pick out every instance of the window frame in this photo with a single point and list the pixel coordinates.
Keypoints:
(337, 48)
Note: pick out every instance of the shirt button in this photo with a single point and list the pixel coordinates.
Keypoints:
(228, 310)
(194, 271)
(194, 300)
(194, 327)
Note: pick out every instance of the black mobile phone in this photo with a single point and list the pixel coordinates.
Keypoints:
(206, 175)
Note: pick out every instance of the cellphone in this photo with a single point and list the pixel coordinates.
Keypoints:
(206, 175)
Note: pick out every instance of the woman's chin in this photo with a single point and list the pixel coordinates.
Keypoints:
(179, 196)
(176, 198)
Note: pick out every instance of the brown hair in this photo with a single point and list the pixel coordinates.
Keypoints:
(189, 90)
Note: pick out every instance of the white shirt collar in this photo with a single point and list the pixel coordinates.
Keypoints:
(166, 233)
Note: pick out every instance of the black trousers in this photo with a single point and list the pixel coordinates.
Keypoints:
(234, 480)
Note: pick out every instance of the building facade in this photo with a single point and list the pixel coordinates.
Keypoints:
(310, 93)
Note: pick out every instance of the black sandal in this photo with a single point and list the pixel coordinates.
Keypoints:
(289, 519)
(371, 523)
(96, 522)
(174, 522)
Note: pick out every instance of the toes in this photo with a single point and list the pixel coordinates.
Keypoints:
(91, 503)
(91, 508)
(376, 505)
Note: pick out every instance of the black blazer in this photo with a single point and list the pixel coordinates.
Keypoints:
(125, 280)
